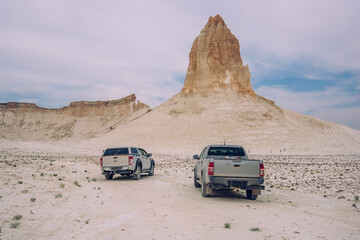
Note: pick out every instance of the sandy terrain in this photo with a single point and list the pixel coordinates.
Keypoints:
(59, 193)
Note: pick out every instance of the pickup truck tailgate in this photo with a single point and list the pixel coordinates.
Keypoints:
(115, 160)
(236, 168)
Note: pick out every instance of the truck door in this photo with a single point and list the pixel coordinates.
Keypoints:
(144, 159)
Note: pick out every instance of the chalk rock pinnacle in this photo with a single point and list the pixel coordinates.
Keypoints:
(215, 64)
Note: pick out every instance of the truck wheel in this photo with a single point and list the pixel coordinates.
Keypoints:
(137, 173)
(205, 190)
(251, 196)
(196, 184)
(109, 176)
(151, 169)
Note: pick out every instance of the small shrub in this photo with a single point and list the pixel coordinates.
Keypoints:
(227, 225)
(93, 179)
(354, 205)
(20, 182)
(59, 195)
(256, 229)
(42, 174)
(55, 174)
(14, 224)
(87, 221)
(32, 199)
(356, 198)
(77, 184)
(17, 217)
(62, 185)
(85, 171)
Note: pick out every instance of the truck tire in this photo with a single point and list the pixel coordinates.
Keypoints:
(137, 173)
(196, 184)
(152, 169)
(109, 176)
(251, 196)
(205, 190)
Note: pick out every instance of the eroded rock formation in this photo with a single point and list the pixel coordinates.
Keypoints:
(29, 121)
(215, 64)
(120, 107)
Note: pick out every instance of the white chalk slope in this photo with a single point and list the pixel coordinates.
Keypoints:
(187, 123)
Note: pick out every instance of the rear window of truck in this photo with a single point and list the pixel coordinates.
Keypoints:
(116, 151)
(226, 151)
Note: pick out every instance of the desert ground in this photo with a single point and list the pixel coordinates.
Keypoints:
(57, 192)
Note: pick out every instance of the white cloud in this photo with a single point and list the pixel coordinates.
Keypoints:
(332, 104)
(349, 116)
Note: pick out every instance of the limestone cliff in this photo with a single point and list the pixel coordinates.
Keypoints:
(215, 64)
(118, 107)
(29, 121)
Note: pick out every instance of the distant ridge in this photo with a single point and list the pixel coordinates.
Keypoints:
(29, 121)
(118, 107)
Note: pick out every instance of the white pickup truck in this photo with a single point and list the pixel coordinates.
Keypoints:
(228, 167)
(126, 161)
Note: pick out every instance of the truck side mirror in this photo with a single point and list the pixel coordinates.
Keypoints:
(196, 156)
(149, 155)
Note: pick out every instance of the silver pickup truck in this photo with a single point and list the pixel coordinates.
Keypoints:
(127, 161)
(228, 167)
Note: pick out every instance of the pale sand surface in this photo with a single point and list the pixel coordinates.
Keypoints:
(306, 197)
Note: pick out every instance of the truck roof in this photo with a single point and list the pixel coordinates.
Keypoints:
(121, 147)
(222, 145)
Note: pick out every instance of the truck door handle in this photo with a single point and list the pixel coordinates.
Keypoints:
(115, 157)
(236, 165)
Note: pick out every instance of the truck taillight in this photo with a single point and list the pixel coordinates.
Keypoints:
(101, 162)
(131, 160)
(262, 170)
(211, 168)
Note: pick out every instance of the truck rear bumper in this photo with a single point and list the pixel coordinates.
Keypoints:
(118, 170)
(242, 183)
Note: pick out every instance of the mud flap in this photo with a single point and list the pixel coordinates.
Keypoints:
(256, 192)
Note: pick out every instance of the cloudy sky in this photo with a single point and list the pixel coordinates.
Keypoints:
(304, 55)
